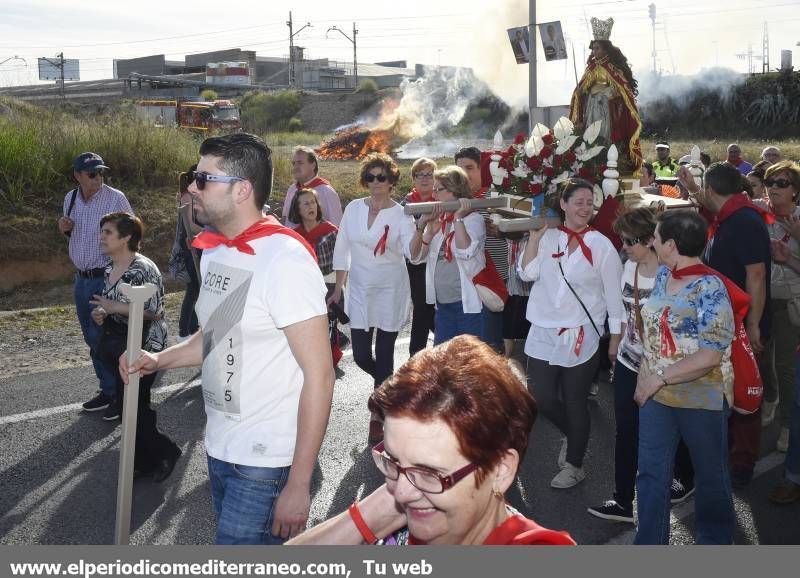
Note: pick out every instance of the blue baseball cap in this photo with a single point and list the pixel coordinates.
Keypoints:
(88, 162)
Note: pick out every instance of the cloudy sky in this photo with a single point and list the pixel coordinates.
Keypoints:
(690, 35)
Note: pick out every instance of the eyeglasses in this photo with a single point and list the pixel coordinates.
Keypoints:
(94, 174)
(423, 479)
(423, 176)
(370, 178)
(439, 189)
(201, 178)
(630, 242)
(779, 183)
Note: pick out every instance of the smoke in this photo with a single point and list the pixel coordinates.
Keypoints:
(680, 89)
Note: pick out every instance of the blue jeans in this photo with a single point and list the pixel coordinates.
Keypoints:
(492, 329)
(450, 320)
(84, 289)
(244, 499)
(793, 454)
(705, 432)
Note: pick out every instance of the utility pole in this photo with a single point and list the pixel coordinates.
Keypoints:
(765, 50)
(291, 48)
(353, 40)
(61, 66)
(652, 9)
(532, 96)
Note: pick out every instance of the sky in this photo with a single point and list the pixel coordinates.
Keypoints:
(690, 35)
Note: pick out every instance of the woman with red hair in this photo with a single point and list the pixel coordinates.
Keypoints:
(456, 424)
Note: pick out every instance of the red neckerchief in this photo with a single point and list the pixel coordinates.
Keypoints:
(514, 252)
(736, 203)
(313, 183)
(381, 246)
(415, 197)
(448, 246)
(737, 162)
(578, 236)
(446, 218)
(262, 228)
(315, 234)
(518, 531)
(578, 342)
(740, 302)
(480, 193)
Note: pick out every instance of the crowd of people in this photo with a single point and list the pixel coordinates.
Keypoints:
(452, 424)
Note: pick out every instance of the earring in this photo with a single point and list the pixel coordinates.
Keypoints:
(497, 494)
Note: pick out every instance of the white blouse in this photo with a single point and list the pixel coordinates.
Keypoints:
(470, 261)
(561, 332)
(377, 293)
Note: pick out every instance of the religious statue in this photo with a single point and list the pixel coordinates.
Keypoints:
(607, 92)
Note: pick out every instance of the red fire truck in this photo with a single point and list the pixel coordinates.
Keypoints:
(221, 115)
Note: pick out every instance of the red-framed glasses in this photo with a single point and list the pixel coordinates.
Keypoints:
(424, 479)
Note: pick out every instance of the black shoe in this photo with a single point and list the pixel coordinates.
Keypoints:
(678, 492)
(741, 478)
(98, 402)
(164, 467)
(112, 412)
(611, 510)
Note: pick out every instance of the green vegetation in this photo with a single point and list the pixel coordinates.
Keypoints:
(209, 94)
(38, 319)
(367, 86)
(265, 111)
(294, 125)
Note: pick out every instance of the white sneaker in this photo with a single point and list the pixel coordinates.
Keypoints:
(768, 412)
(562, 454)
(783, 440)
(568, 477)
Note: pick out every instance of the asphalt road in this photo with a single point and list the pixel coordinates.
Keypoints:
(58, 469)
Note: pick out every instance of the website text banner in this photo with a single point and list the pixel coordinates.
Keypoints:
(357, 562)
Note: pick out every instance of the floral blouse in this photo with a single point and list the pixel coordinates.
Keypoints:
(698, 316)
(142, 270)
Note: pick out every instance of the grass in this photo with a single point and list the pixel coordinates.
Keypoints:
(38, 319)
(717, 149)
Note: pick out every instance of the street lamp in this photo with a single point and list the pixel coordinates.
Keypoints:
(353, 41)
(291, 47)
(15, 57)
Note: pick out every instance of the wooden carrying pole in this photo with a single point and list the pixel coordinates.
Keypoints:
(137, 297)
(424, 208)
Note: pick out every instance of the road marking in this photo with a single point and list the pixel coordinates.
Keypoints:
(686, 509)
(72, 407)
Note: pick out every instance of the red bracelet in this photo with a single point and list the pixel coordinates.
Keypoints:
(424, 243)
(363, 529)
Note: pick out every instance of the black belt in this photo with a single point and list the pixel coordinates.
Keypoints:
(92, 273)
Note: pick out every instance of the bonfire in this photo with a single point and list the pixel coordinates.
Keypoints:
(356, 142)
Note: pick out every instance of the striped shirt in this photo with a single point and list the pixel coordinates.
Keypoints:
(84, 243)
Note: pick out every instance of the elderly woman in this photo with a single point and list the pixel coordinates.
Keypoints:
(120, 235)
(782, 181)
(685, 384)
(576, 273)
(636, 228)
(423, 313)
(452, 246)
(370, 254)
(445, 477)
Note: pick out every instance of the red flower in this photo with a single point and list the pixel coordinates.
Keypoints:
(536, 189)
(548, 139)
(534, 163)
(557, 160)
(549, 172)
(571, 157)
(510, 151)
(520, 138)
(525, 187)
(584, 173)
(546, 152)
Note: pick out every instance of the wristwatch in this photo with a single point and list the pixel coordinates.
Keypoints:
(660, 374)
(459, 219)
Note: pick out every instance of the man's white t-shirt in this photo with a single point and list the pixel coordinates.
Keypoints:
(251, 381)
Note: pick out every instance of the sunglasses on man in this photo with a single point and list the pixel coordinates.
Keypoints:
(201, 178)
(370, 178)
(94, 174)
(779, 183)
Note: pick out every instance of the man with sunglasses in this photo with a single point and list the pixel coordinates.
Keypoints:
(263, 343)
(84, 207)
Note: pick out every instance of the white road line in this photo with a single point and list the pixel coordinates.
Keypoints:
(51, 411)
(686, 509)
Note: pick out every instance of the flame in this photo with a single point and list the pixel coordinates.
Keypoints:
(382, 135)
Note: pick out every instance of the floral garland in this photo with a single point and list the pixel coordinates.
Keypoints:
(537, 165)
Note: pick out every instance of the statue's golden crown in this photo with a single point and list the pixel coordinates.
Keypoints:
(601, 29)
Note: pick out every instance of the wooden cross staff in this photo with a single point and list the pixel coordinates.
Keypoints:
(137, 297)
